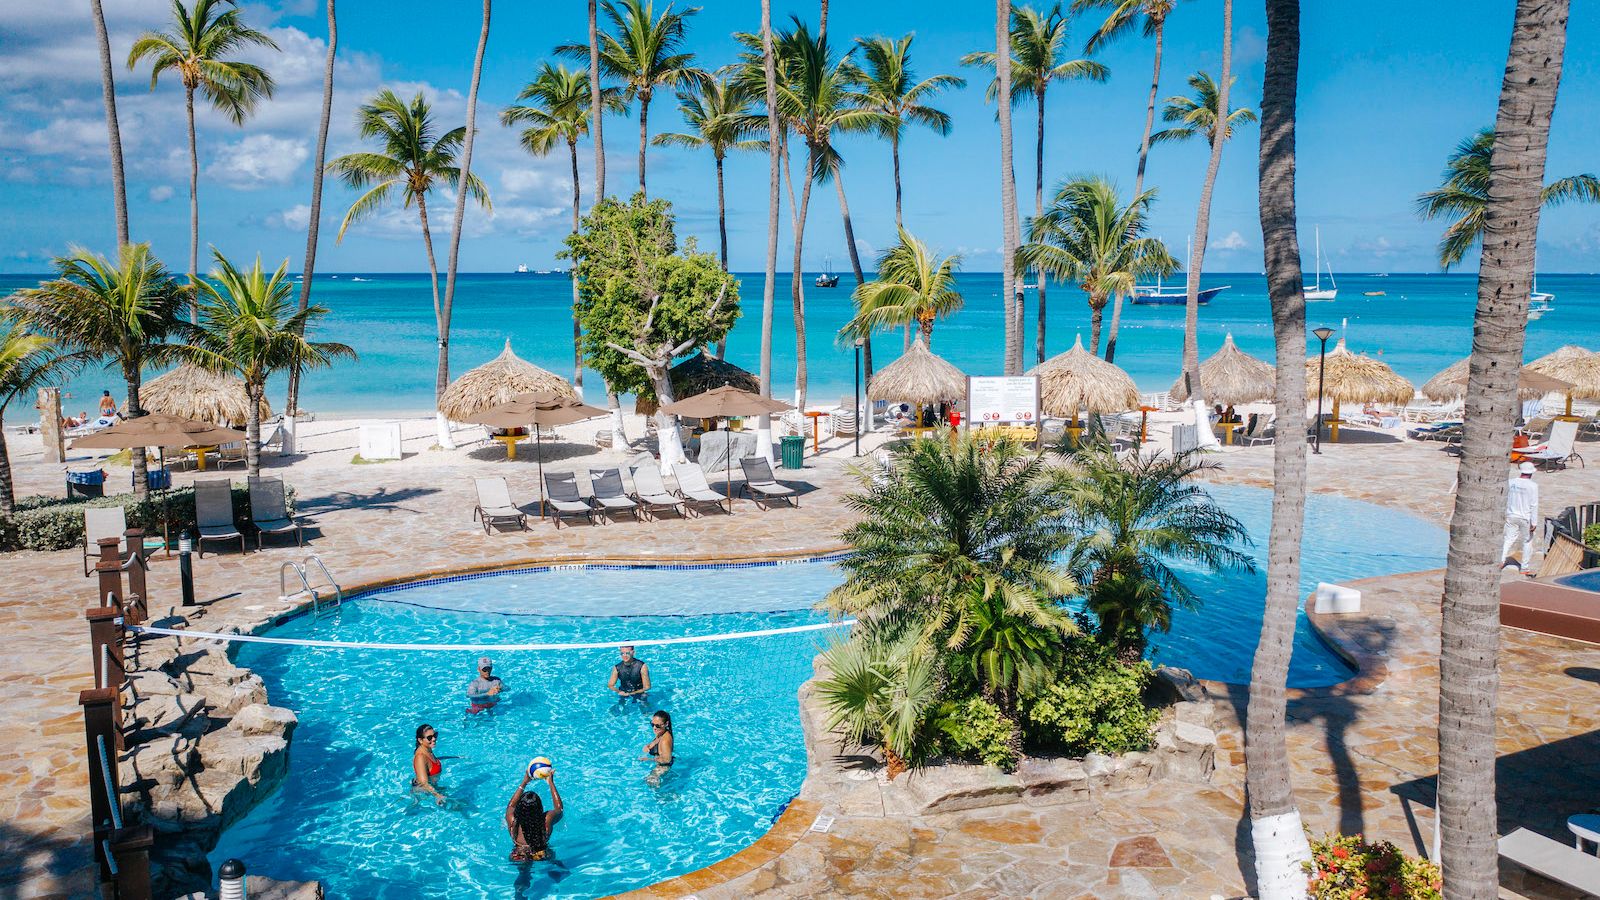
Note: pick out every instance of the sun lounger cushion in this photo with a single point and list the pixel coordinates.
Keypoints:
(758, 477)
(561, 492)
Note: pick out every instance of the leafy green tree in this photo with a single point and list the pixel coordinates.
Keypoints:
(1197, 115)
(644, 304)
(883, 694)
(27, 361)
(250, 327)
(119, 312)
(913, 287)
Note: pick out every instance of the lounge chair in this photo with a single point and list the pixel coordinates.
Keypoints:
(1553, 860)
(694, 490)
(609, 493)
(561, 493)
(269, 510)
(495, 506)
(1265, 432)
(1563, 557)
(103, 522)
(213, 514)
(760, 484)
(650, 492)
(1557, 451)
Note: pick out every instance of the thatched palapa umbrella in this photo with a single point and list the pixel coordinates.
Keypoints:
(1079, 380)
(919, 377)
(1231, 377)
(1451, 384)
(1348, 378)
(190, 392)
(499, 381)
(1578, 367)
(700, 373)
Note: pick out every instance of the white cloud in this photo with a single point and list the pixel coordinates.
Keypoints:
(1234, 241)
(161, 193)
(295, 218)
(258, 160)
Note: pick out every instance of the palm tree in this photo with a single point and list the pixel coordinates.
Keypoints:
(250, 328)
(596, 116)
(119, 312)
(769, 80)
(1275, 827)
(643, 55)
(885, 83)
(1202, 221)
(882, 693)
(560, 112)
(1038, 43)
(1197, 116)
(108, 88)
(196, 50)
(314, 230)
(718, 112)
(1086, 236)
(1133, 518)
(1464, 195)
(1469, 632)
(27, 361)
(412, 161)
(1151, 16)
(913, 287)
(1012, 237)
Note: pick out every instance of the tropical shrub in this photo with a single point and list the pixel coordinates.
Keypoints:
(1094, 704)
(881, 695)
(56, 523)
(1347, 867)
(977, 729)
(1591, 536)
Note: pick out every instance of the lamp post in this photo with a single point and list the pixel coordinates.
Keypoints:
(1322, 365)
(859, 417)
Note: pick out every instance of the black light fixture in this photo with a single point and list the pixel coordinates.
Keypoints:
(1322, 365)
(859, 417)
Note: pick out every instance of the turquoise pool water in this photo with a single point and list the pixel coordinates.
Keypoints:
(344, 813)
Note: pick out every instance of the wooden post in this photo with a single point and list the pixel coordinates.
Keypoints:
(101, 711)
(137, 601)
(105, 644)
(131, 849)
(49, 406)
(109, 568)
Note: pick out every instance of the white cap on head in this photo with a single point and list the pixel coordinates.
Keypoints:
(484, 662)
(1526, 468)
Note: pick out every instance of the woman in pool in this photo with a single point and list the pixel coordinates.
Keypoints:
(530, 826)
(425, 766)
(659, 749)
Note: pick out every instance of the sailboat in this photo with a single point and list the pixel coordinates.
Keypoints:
(1161, 295)
(1539, 302)
(1315, 292)
(827, 279)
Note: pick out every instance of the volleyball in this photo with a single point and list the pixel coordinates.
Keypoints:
(540, 768)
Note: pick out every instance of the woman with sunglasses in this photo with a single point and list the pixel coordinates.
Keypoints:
(659, 749)
(425, 766)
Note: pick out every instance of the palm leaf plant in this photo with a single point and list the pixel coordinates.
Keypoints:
(913, 287)
(882, 694)
(27, 361)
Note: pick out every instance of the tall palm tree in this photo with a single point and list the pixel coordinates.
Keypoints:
(108, 88)
(643, 53)
(1011, 232)
(250, 328)
(718, 111)
(913, 287)
(197, 51)
(314, 229)
(1197, 116)
(412, 161)
(1038, 45)
(118, 312)
(1151, 17)
(1464, 195)
(559, 113)
(769, 80)
(596, 115)
(1202, 221)
(1087, 236)
(1469, 632)
(886, 83)
(1275, 828)
(27, 361)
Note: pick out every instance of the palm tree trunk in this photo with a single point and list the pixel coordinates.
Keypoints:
(1116, 323)
(894, 153)
(764, 423)
(1275, 830)
(1202, 222)
(644, 133)
(797, 289)
(595, 112)
(134, 377)
(577, 328)
(1138, 179)
(194, 201)
(855, 266)
(822, 20)
(1008, 188)
(1039, 277)
(314, 225)
(442, 374)
(1469, 621)
(722, 235)
(119, 187)
(8, 491)
(443, 380)
(252, 429)
(1097, 312)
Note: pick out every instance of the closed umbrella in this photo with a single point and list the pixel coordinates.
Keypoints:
(720, 403)
(540, 408)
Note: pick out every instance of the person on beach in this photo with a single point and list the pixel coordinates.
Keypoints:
(529, 824)
(630, 678)
(108, 405)
(425, 766)
(484, 691)
(1522, 511)
(659, 749)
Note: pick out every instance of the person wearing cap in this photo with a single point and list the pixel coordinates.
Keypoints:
(1522, 511)
(484, 691)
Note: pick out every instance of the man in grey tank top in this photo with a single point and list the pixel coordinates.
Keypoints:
(630, 678)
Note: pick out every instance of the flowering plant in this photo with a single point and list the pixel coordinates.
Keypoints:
(1347, 867)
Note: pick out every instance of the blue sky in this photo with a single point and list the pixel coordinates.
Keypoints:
(1383, 99)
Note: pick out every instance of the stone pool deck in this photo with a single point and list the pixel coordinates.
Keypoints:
(1351, 752)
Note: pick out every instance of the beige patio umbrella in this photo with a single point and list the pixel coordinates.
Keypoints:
(1578, 367)
(700, 373)
(1231, 377)
(499, 381)
(1350, 378)
(538, 408)
(191, 392)
(1078, 380)
(1451, 384)
(720, 403)
(158, 430)
(919, 377)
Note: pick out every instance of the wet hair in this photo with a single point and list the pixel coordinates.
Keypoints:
(424, 729)
(666, 719)
(528, 815)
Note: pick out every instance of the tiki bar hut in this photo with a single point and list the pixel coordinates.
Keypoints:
(1350, 378)
(1578, 367)
(1450, 385)
(1231, 377)
(1078, 380)
(918, 377)
(190, 392)
(698, 374)
(498, 381)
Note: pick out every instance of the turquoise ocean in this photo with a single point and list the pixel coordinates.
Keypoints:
(1421, 323)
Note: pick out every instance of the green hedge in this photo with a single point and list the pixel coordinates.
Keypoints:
(56, 523)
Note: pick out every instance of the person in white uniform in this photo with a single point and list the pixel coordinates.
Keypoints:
(1522, 511)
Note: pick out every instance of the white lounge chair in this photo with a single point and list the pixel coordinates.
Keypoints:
(269, 510)
(561, 493)
(103, 522)
(650, 492)
(495, 506)
(1552, 859)
(760, 483)
(1557, 451)
(694, 490)
(213, 514)
(609, 493)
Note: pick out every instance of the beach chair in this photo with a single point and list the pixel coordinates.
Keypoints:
(561, 494)
(694, 490)
(609, 493)
(269, 510)
(650, 492)
(1265, 431)
(760, 484)
(103, 522)
(494, 505)
(1553, 860)
(213, 514)
(1557, 451)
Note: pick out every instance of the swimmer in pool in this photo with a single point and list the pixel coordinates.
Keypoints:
(484, 691)
(630, 678)
(659, 749)
(425, 766)
(529, 824)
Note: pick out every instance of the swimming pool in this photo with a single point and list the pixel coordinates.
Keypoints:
(344, 813)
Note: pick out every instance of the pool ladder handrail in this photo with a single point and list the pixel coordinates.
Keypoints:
(300, 571)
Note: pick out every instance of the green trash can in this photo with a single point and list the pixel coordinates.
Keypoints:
(793, 451)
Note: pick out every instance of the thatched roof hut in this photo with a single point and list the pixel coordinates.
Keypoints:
(191, 392)
(1231, 376)
(1078, 380)
(700, 373)
(1578, 367)
(497, 381)
(1451, 384)
(919, 377)
(1350, 378)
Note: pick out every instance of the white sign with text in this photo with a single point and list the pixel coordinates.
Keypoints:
(1003, 399)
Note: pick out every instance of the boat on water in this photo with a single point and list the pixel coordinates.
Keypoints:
(522, 268)
(827, 279)
(1373, 293)
(1174, 296)
(1316, 291)
(1539, 303)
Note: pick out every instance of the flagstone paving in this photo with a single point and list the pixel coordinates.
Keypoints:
(1357, 758)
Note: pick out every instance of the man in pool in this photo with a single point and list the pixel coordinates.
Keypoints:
(630, 678)
(484, 691)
